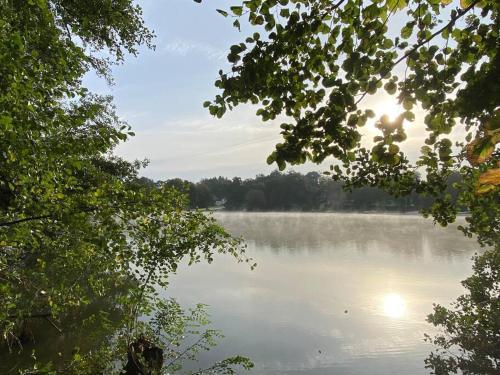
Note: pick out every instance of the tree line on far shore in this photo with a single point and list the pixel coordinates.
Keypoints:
(293, 191)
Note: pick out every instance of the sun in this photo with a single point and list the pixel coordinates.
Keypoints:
(394, 305)
(389, 108)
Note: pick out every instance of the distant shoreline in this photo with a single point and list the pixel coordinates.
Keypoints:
(407, 213)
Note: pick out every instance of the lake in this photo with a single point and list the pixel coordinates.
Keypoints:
(332, 293)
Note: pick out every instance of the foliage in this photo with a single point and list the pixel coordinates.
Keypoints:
(75, 224)
(470, 341)
(319, 59)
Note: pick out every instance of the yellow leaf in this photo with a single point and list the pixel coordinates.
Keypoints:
(480, 150)
(466, 3)
(484, 189)
(445, 2)
(495, 136)
(490, 177)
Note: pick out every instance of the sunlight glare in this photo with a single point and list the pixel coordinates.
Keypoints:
(394, 305)
(389, 108)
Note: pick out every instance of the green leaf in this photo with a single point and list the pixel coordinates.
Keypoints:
(406, 31)
(369, 113)
(222, 12)
(396, 4)
(393, 149)
(409, 115)
(237, 10)
(285, 12)
(390, 87)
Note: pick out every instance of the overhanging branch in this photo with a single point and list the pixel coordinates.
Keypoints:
(415, 47)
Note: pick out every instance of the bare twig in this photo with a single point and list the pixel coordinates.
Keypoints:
(47, 318)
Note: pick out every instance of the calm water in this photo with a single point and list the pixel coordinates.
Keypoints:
(332, 293)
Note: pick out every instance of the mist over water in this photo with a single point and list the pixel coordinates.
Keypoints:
(332, 293)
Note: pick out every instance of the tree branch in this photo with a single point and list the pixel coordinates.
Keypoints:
(18, 221)
(336, 6)
(183, 353)
(47, 318)
(32, 316)
(436, 33)
(421, 43)
(48, 216)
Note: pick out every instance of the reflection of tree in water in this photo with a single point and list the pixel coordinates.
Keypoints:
(93, 340)
(78, 330)
(398, 234)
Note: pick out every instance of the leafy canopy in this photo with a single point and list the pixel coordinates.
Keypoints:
(317, 60)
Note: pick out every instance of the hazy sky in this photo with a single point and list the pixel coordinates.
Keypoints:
(160, 93)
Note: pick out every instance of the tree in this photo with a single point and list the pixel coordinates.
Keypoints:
(255, 200)
(201, 196)
(75, 221)
(319, 59)
(294, 191)
(470, 341)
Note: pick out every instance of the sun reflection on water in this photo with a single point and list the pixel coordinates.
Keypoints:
(394, 305)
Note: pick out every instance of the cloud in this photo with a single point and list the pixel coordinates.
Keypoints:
(183, 48)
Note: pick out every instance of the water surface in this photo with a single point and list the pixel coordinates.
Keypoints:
(332, 293)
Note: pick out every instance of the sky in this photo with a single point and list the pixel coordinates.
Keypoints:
(160, 94)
